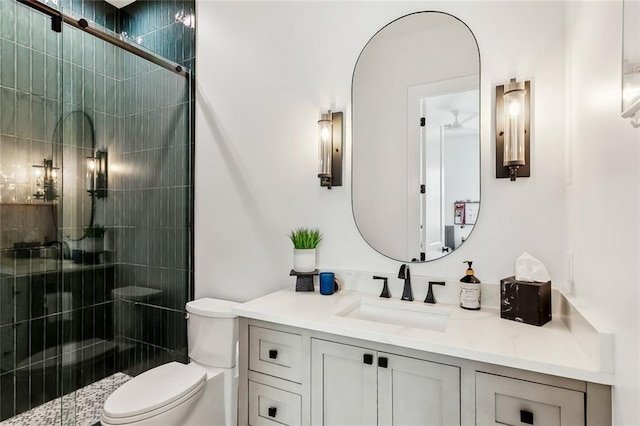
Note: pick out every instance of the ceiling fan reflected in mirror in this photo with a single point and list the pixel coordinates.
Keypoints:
(458, 125)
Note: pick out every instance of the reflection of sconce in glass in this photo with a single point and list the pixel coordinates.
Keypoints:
(187, 19)
(46, 181)
(631, 93)
(330, 149)
(97, 174)
(513, 130)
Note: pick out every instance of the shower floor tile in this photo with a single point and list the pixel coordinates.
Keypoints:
(85, 406)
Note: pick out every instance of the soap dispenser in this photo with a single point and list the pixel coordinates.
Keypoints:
(469, 290)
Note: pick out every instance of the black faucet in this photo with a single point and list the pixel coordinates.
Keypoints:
(430, 297)
(407, 293)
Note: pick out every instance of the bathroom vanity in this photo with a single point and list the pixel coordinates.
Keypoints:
(356, 359)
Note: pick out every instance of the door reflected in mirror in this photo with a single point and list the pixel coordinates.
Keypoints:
(416, 140)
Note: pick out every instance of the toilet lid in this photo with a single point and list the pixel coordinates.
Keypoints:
(154, 389)
(213, 308)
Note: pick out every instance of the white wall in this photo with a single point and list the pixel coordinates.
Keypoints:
(603, 190)
(266, 70)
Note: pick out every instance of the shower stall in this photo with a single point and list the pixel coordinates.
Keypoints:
(96, 195)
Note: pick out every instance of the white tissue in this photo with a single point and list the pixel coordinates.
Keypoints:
(530, 269)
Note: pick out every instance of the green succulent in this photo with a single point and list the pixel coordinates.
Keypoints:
(305, 238)
(95, 231)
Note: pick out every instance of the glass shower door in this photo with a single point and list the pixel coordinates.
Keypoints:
(30, 250)
(126, 142)
(95, 214)
(86, 134)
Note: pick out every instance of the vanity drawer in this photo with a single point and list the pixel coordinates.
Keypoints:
(506, 401)
(271, 406)
(275, 353)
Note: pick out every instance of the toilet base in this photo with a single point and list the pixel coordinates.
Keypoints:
(210, 410)
(222, 386)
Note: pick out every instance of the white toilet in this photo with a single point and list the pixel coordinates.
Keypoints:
(203, 392)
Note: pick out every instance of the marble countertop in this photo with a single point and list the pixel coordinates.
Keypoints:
(554, 348)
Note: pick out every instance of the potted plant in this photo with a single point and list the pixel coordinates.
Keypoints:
(94, 239)
(305, 241)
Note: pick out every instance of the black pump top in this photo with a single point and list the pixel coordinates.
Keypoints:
(469, 277)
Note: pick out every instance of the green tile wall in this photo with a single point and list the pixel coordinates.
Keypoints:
(141, 115)
(153, 24)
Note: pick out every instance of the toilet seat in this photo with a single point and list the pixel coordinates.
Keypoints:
(154, 392)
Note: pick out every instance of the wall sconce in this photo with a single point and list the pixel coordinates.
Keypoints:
(46, 181)
(631, 93)
(513, 130)
(330, 149)
(97, 174)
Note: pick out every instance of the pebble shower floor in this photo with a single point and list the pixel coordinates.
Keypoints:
(81, 409)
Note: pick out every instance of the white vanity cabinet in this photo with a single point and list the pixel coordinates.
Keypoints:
(297, 376)
(359, 386)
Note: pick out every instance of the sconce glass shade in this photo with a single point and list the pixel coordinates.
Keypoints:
(514, 125)
(631, 90)
(325, 145)
(91, 174)
(631, 93)
(46, 181)
(97, 174)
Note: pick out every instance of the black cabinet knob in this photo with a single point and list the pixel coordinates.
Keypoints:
(526, 417)
(273, 354)
(368, 359)
(383, 362)
(272, 411)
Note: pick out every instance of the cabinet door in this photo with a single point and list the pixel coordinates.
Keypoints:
(417, 392)
(343, 385)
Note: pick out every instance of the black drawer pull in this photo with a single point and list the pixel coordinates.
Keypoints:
(368, 359)
(526, 417)
(383, 362)
(273, 354)
(272, 411)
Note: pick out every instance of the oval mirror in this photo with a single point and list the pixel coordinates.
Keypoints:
(416, 141)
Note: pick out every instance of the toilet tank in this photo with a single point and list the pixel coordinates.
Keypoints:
(212, 332)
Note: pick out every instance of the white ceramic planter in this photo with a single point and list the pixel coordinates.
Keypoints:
(93, 245)
(304, 260)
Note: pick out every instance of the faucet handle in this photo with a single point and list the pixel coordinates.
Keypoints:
(430, 297)
(385, 287)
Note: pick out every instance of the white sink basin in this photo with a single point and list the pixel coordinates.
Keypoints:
(406, 314)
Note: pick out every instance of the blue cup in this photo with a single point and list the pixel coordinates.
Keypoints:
(327, 283)
(76, 256)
